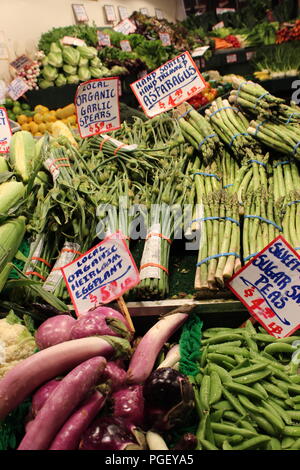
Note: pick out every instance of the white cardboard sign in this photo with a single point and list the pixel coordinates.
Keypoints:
(125, 27)
(71, 41)
(103, 39)
(97, 106)
(165, 39)
(168, 86)
(5, 131)
(17, 88)
(101, 275)
(269, 286)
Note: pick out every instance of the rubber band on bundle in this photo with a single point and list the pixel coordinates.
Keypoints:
(258, 162)
(286, 162)
(154, 265)
(105, 139)
(203, 219)
(263, 220)
(290, 117)
(203, 173)
(153, 234)
(42, 260)
(250, 256)
(237, 135)
(206, 138)
(34, 273)
(185, 114)
(220, 109)
(205, 260)
(260, 97)
(118, 148)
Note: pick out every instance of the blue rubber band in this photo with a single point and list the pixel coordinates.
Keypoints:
(207, 174)
(227, 185)
(225, 107)
(240, 87)
(281, 163)
(293, 202)
(260, 97)
(203, 219)
(258, 126)
(296, 147)
(205, 260)
(264, 220)
(237, 135)
(257, 161)
(298, 248)
(290, 117)
(206, 138)
(250, 256)
(185, 114)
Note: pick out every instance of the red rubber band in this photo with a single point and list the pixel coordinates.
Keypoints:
(105, 139)
(118, 148)
(34, 273)
(154, 265)
(159, 235)
(42, 260)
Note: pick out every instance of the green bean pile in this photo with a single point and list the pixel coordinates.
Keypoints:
(247, 391)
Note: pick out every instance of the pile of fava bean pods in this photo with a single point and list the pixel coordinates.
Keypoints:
(247, 391)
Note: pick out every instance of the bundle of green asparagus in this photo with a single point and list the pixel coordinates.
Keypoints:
(286, 178)
(256, 100)
(219, 252)
(291, 219)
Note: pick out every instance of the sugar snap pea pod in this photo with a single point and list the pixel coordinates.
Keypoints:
(274, 444)
(296, 399)
(221, 359)
(223, 373)
(280, 402)
(279, 373)
(280, 383)
(247, 370)
(216, 416)
(263, 424)
(241, 364)
(275, 348)
(268, 356)
(198, 378)
(258, 357)
(250, 342)
(214, 331)
(231, 416)
(247, 403)
(288, 339)
(200, 433)
(216, 347)
(294, 389)
(230, 429)
(274, 390)
(260, 389)
(209, 435)
(292, 431)
(244, 390)
(295, 378)
(296, 445)
(205, 392)
(203, 358)
(263, 338)
(251, 378)
(245, 424)
(223, 338)
(253, 443)
(234, 439)
(287, 442)
(226, 445)
(234, 402)
(250, 328)
(215, 388)
(297, 406)
(206, 445)
(293, 414)
(232, 350)
(223, 405)
(273, 419)
(289, 402)
(280, 411)
(238, 359)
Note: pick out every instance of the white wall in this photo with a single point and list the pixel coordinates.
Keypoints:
(23, 21)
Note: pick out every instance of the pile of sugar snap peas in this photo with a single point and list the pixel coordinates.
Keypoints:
(247, 392)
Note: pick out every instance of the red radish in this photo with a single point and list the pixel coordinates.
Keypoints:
(71, 390)
(144, 357)
(32, 372)
(101, 321)
(114, 376)
(54, 330)
(128, 403)
(41, 395)
(68, 438)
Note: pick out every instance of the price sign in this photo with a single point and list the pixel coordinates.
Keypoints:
(17, 88)
(144, 11)
(97, 106)
(123, 12)
(125, 27)
(21, 62)
(5, 131)
(103, 39)
(220, 11)
(218, 25)
(200, 51)
(231, 58)
(101, 275)
(79, 12)
(70, 41)
(125, 45)
(159, 14)
(110, 13)
(249, 55)
(168, 86)
(269, 286)
(165, 39)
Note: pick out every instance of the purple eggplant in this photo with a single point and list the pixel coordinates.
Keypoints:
(42, 394)
(68, 437)
(114, 376)
(109, 433)
(71, 390)
(128, 403)
(101, 321)
(55, 330)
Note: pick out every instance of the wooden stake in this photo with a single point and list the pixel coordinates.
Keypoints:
(125, 311)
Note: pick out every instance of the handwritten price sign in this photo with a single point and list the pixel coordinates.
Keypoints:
(269, 286)
(17, 88)
(5, 132)
(101, 275)
(97, 106)
(168, 86)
